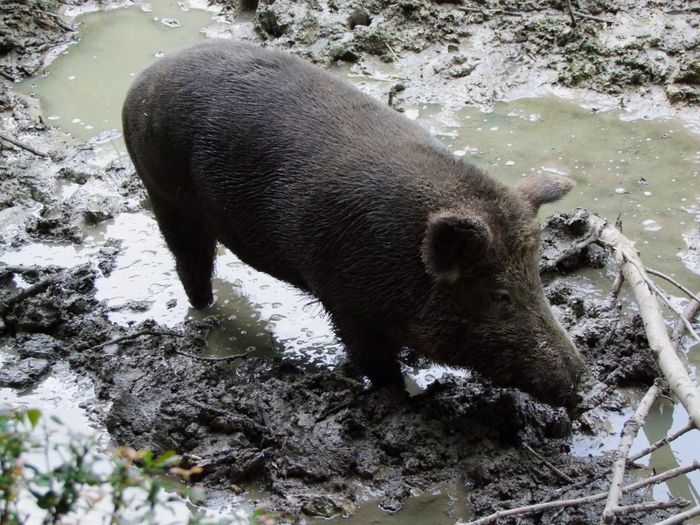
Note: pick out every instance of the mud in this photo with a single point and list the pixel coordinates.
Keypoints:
(315, 438)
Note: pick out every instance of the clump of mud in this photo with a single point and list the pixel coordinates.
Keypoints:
(29, 29)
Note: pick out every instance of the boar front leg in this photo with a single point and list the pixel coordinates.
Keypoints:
(194, 250)
(372, 353)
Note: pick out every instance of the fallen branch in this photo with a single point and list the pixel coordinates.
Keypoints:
(673, 282)
(629, 433)
(213, 359)
(549, 465)
(688, 313)
(647, 506)
(571, 13)
(661, 442)
(22, 295)
(161, 333)
(591, 17)
(7, 76)
(577, 502)
(59, 21)
(682, 517)
(577, 248)
(21, 145)
(673, 369)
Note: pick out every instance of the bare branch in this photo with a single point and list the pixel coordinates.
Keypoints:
(676, 503)
(661, 442)
(655, 327)
(629, 433)
(682, 517)
(577, 502)
(673, 282)
(21, 145)
(549, 465)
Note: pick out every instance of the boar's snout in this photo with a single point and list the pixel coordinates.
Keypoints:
(558, 369)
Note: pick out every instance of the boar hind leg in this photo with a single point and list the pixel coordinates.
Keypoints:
(372, 353)
(194, 250)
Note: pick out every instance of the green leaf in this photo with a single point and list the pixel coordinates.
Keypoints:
(33, 415)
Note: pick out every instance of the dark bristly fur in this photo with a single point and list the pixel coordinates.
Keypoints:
(307, 179)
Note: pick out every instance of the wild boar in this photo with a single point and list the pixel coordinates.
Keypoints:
(305, 178)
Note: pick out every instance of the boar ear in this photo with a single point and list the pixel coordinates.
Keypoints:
(541, 188)
(452, 241)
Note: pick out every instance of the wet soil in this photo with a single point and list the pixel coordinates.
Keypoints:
(316, 438)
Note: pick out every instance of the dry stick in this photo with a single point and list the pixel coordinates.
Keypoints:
(662, 295)
(571, 13)
(673, 369)
(673, 282)
(396, 57)
(682, 517)
(21, 145)
(629, 433)
(549, 465)
(7, 76)
(661, 442)
(58, 19)
(676, 503)
(26, 293)
(688, 313)
(164, 333)
(577, 502)
(592, 236)
(591, 17)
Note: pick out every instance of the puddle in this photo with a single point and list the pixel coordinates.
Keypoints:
(644, 171)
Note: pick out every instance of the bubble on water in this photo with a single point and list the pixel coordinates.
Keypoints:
(411, 113)
(494, 128)
(459, 153)
(510, 163)
(276, 305)
(158, 54)
(54, 117)
(75, 121)
(146, 8)
(72, 77)
(647, 193)
(621, 191)
(89, 127)
(651, 225)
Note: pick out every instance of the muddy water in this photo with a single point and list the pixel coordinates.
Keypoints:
(645, 171)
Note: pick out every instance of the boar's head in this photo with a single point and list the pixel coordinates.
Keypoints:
(487, 309)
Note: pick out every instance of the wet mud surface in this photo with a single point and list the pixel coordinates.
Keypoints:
(316, 438)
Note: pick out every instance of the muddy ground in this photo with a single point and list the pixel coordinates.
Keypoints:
(315, 438)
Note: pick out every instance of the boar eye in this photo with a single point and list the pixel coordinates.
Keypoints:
(501, 296)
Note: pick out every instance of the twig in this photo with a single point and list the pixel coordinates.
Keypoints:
(629, 433)
(156, 333)
(161, 333)
(676, 503)
(549, 465)
(571, 13)
(213, 359)
(616, 287)
(673, 369)
(488, 12)
(673, 282)
(21, 145)
(7, 76)
(396, 57)
(577, 502)
(682, 517)
(593, 236)
(62, 24)
(683, 11)
(591, 17)
(661, 442)
(26, 293)
(662, 295)
(688, 313)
